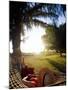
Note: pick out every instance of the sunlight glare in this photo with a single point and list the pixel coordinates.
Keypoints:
(10, 50)
(33, 44)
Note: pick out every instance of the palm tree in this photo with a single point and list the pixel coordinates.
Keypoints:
(27, 13)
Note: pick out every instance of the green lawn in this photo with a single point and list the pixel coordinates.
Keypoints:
(53, 62)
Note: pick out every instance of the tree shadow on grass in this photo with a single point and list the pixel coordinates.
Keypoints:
(59, 66)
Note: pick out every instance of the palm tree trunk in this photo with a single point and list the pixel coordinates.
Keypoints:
(16, 47)
(16, 40)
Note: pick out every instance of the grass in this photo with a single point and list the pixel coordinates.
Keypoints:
(53, 62)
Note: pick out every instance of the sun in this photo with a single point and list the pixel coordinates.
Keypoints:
(33, 42)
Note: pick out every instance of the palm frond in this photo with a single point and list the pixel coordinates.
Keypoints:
(33, 9)
(37, 22)
(45, 14)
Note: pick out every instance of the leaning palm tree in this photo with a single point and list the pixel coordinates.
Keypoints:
(26, 14)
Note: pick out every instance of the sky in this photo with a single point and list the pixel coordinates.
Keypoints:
(61, 19)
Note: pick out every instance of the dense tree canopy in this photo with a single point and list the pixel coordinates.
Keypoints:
(55, 38)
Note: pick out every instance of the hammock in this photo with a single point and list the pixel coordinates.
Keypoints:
(15, 79)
